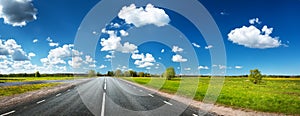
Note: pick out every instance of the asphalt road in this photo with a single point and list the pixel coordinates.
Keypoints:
(103, 97)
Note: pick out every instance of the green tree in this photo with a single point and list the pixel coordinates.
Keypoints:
(169, 73)
(92, 73)
(141, 74)
(133, 73)
(110, 73)
(118, 73)
(37, 74)
(127, 74)
(255, 76)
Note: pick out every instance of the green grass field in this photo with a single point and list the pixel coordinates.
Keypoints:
(280, 95)
(12, 90)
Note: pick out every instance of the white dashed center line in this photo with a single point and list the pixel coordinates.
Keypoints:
(151, 95)
(168, 103)
(40, 101)
(195, 115)
(7, 113)
(103, 105)
(58, 94)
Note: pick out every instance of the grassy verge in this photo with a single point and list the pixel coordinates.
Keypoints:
(12, 90)
(22, 79)
(274, 95)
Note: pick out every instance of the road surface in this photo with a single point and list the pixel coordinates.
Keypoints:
(102, 97)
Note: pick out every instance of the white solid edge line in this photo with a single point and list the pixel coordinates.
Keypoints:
(195, 115)
(7, 113)
(168, 103)
(103, 105)
(151, 95)
(40, 101)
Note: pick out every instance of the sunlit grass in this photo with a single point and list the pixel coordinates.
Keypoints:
(280, 95)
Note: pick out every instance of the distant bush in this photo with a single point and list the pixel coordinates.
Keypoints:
(255, 76)
(169, 73)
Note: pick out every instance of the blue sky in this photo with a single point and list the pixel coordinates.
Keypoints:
(256, 34)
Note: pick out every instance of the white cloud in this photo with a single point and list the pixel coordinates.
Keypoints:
(35, 41)
(220, 66)
(142, 60)
(109, 56)
(123, 33)
(31, 54)
(76, 62)
(162, 50)
(178, 58)
(209, 47)
(57, 56)
(254, 20)
(102, 66)
(177, 49)
(51, 43)
(17, 12)
(187, 69)
(252, 37)
(140, 17)
(196, 45)
(95, 33)
(12, 48)
(137, 56)
(113, 43)
(92, 65)
(238, 67)
(203, 68)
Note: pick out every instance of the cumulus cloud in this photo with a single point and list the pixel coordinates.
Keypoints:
(178, 58)
(113, 43)
(109, 56)
(203, 68)
(51, 43)
(76, 62)
(187, 69)
(35, 41)
(253, 37)
(102, 66)
(58, 55)
(31, 54)
(196, 45)
(220, 66)
(12, 48)
(238, 67)
(142, 60)
(209, 47)
(177, 49)
(124, 33)
(17, 12)
(254, 20)
(144, 16)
